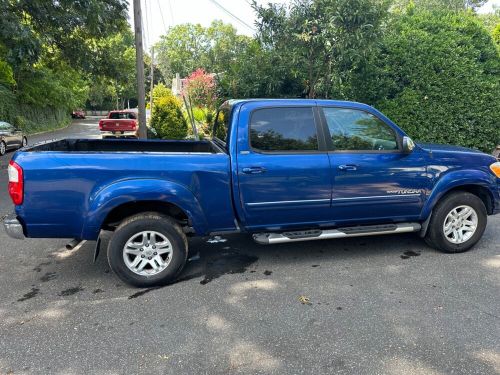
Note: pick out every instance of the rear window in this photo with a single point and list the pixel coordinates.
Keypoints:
(122, 115)
(283, 129)
(221, 126)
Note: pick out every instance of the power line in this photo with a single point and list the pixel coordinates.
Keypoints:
(231, 14)
(171, 12)
(146, 34)
(161, 14)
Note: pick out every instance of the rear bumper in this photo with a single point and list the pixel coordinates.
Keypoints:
(13, 227)
(119, 134)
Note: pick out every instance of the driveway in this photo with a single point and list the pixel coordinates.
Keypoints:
(375, 305)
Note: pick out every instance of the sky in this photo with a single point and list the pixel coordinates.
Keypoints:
(159, 15)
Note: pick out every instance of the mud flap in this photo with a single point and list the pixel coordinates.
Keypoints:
(97, 247)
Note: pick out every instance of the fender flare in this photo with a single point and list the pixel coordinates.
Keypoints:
(453, 180)
(135, 190)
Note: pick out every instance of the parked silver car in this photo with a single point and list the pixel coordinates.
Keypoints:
(11, 137)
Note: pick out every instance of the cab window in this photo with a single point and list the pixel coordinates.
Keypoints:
(357, 130)
(283, 129)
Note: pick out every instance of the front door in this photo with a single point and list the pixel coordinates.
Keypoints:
(283, 168)
(373, 179)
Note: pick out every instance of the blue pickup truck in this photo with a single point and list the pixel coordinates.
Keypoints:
(281, 170)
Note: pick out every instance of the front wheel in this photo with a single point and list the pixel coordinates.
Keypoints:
(458, 223)
(24, 142)
(3, 148)
(147, 250)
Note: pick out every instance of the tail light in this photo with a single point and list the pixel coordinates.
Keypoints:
(16, 183)
(100, 124)
(134, 125)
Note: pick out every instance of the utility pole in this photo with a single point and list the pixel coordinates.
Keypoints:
(139, 62)
(152, 76)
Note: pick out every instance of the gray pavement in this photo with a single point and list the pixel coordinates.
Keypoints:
(376, 305)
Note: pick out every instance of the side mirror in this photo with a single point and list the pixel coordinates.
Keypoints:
(408, 145)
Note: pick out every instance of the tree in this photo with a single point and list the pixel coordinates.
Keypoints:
(50, 50)
(321, 41)
(182, 50)
(69, 28)
(440, 5)
(188, 47)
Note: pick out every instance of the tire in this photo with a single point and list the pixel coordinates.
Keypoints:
(24, 142)
(457, 205)
(130, 234)
(3, 148)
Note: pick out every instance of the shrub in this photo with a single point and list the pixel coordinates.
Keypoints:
(204, 120)
(167, 119)
(438, 77)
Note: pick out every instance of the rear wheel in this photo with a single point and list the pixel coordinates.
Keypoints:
(458, 223)
(25, 142)
(147, 250)
(3, 148)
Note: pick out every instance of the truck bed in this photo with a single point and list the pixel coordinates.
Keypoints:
(78, 179)
(128, 145)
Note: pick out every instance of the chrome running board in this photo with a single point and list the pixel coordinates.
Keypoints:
(319, 234)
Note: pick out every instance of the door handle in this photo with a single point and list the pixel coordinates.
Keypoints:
(348, 167)
(253, 170)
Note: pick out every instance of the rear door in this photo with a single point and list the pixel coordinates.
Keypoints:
(373, 179)
(283, 168)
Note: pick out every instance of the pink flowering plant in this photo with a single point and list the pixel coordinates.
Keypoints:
(201, 90)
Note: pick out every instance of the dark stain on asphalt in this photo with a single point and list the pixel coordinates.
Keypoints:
(267, 272)
(48, 276)
(210, 266)
(339, 308)
(315, 265)
(39, 267)
(70, 291)
(213, 265)
(30, 294)
(408, 254)
(95, 291)
(142, 292)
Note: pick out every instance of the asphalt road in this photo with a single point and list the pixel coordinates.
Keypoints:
(376, 305)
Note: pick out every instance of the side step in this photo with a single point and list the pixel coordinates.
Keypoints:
(318, 234)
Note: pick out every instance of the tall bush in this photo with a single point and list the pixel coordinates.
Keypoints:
(167, 119)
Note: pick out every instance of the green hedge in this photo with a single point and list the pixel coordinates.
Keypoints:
(30, 118)
(438, 77)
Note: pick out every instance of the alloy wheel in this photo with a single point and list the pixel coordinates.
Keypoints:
(460, 224)
(147, 253)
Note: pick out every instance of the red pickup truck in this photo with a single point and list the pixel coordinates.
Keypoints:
(119, 124)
